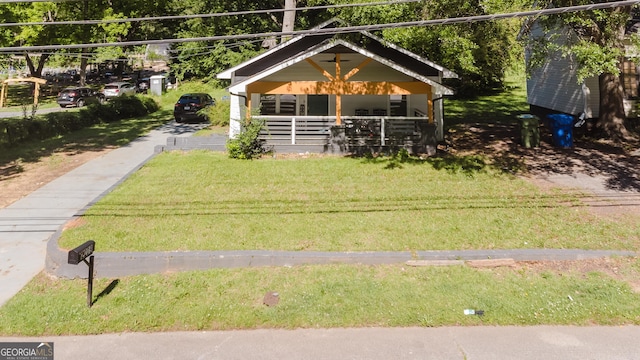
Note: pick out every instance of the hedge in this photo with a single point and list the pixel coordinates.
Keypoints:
(17, 130)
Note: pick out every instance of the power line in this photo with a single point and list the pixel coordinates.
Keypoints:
(340, 30)
(200, 16)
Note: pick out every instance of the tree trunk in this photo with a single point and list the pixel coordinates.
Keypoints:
(612, 115)
(84, 51)
(33, 70)
(83, 67)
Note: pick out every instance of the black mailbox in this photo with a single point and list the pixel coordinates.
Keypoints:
(81, 252)
(79, 255)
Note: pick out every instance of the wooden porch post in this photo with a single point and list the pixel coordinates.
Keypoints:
(36, 93)
(338, 97)
(247, 115)
(430, 109)
(2, 94)
(338, 109)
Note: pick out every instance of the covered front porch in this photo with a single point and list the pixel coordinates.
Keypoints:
(356, 134)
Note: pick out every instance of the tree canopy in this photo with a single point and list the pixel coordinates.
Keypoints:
(476, 51)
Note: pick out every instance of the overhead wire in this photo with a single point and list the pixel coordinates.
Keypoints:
(338, 30)
(199, 16)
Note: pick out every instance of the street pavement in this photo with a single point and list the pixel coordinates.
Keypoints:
(28, 224)
(442, 343)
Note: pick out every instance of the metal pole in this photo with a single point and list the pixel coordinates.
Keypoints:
(90, 283)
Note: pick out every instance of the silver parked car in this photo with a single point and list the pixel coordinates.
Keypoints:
(114, 89)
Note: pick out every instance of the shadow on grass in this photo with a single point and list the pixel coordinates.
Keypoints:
(95, 138)
(107, 290)
(466, 164)
(500, 146)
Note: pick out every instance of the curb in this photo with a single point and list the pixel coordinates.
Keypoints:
(116, 264)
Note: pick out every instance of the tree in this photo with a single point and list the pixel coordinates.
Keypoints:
(206, 59)
(480, 52)
(595, 39)
(33, 35)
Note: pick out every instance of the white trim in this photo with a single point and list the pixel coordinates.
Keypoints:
(242, 85)
(293, 130)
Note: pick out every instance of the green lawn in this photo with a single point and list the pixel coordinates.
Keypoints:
(323, 296)
(205, 201)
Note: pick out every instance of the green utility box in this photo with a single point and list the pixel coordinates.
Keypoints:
(529, 126)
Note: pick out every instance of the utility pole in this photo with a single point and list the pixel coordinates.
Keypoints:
(288, 19)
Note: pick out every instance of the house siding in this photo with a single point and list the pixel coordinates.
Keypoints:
(555, 87)
(592, 97)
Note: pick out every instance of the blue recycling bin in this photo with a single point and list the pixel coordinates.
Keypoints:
(561, 130)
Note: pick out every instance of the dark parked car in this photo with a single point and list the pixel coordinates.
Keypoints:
(189, 105)
(79, 97)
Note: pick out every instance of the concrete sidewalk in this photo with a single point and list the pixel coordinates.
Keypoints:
(27, 224)
(463, 343)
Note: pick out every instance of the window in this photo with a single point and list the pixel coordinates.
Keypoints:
(268, 105)
(278, 104)
(398, 105)
(287, 105)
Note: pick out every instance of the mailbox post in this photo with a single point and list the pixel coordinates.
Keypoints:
(81, 253)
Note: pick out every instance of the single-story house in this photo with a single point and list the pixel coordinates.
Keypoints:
(340, 91)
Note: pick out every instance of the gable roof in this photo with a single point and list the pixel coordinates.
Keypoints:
(302, 47)
(332, 45)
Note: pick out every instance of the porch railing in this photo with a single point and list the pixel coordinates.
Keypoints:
(359, 130)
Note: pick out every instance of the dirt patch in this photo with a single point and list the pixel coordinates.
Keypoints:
(18, 179)
(74, 223)
(622, 269)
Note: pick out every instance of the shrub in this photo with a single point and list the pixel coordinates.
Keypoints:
(100, 113)
(247, 145)
(149, 104)
(127, 106)
(219, 113)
